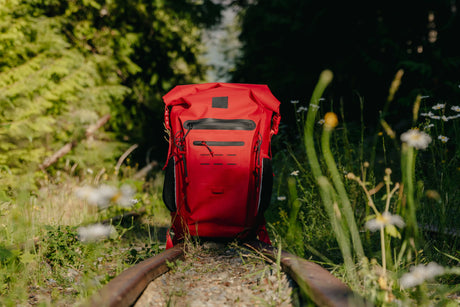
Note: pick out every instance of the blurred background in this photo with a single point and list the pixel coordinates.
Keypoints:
(64, 65)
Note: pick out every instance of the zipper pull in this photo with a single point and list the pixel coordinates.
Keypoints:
(207, 146)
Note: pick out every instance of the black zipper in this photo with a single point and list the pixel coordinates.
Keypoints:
(220, 124)
(218, 143)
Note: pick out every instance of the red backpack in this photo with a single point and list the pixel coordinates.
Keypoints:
(218, 174)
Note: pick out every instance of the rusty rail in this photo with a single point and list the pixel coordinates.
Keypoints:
(323, 288)
(125, 288)
(318, 284)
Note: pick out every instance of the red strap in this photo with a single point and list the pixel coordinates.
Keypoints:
(263, 235)
(169, 242)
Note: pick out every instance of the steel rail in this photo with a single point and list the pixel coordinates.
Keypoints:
(318, 284)
(126, 288)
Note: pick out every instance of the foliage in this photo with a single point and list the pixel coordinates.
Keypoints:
(65, 64)
(397, 263)
(288, 43)
(61, 246)
(46, 258)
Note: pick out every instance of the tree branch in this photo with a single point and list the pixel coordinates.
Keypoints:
(68, 147)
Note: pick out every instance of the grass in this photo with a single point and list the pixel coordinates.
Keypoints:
(377, 216)
(43, 257)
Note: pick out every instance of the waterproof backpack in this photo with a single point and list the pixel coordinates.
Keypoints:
(218, 174)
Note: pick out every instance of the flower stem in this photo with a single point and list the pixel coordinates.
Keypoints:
(408, 174)
(339, 186)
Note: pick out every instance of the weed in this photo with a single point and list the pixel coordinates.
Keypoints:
(395, 216)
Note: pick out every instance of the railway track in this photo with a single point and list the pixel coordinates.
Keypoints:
(312, 281)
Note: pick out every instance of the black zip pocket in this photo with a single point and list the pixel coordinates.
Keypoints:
(220, 124)
(218, 143)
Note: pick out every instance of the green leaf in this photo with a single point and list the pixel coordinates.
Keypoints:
(27, 258)
(392, 231)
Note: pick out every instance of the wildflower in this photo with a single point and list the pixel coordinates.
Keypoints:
(439, 106)
(455, 108)
(433, 194)
(429, 114)
(295, 173)
(124, 196)
(428, 126)
(281, 198)
(95, 232)
(350, 176)
(294, 101)
(105, 195)
(302, 109)
(321, 121)
(418, 274)
(102, 196)
(383, 220)
(435, 117)
(330, 120)
(443, 138)
(315, 106)
(444, 118)
(416, 139)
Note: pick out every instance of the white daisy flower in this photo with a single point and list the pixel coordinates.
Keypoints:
(281, 198)
(443, 138)
(314, 106)
(435, 117)
(439, 106)
(455, 108)
(95, 232)
(124, 196)
(321, 121)
(302, 109)
(102, 196)
(294, 101)
(418, 274)
(96, 196)
(444, 118)
(429, 114)
(383, 220)
(295, 173)
(416, 138)
(105, 195)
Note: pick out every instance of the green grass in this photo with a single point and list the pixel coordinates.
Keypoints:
(43, 259)
(336, 195)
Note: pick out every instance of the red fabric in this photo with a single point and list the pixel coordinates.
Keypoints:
(218, 171)
(169, 242)
(262, 235)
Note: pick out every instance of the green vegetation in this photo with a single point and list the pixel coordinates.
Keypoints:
(371, 195)
(389, 252)
(80, 83)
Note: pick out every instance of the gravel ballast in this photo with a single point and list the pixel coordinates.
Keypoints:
(215, 274)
